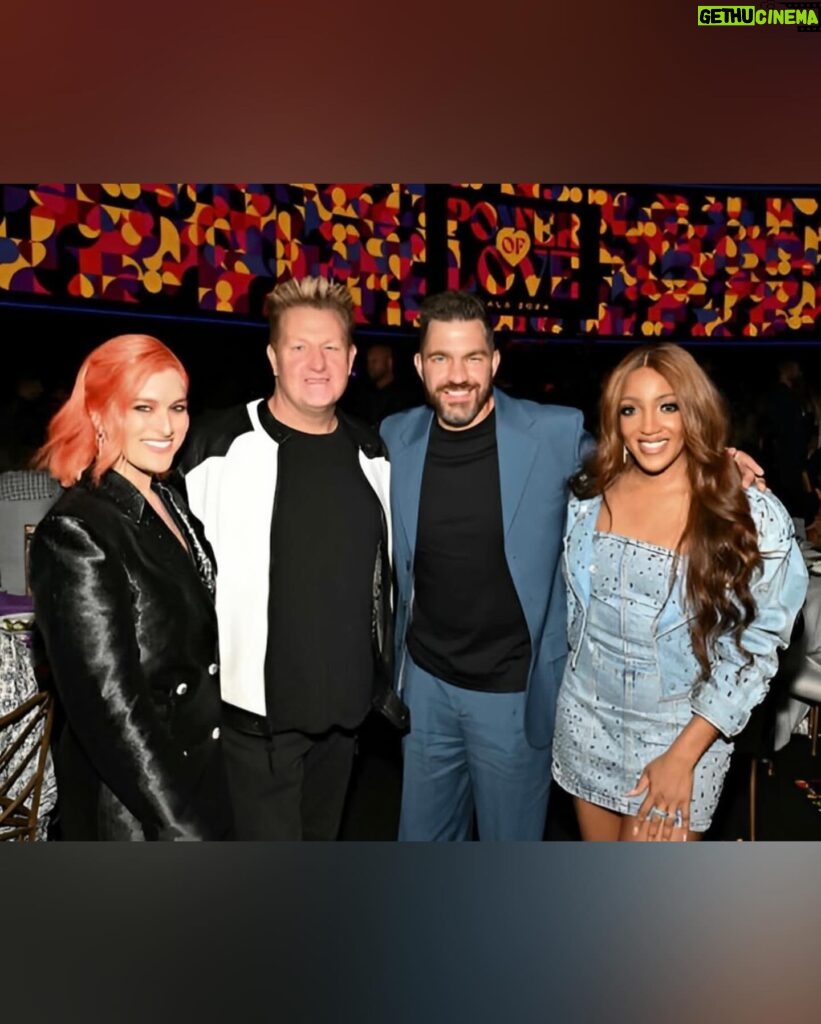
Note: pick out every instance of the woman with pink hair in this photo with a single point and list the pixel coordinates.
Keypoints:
(123, 584)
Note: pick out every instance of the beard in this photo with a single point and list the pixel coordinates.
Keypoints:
(459, 414)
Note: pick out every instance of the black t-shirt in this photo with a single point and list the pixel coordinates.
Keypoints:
(467, 624)
(325, 533)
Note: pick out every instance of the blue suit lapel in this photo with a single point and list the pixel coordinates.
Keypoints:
(517, 452)
(409, 476)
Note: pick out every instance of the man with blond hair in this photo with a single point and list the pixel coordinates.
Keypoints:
(294, 496)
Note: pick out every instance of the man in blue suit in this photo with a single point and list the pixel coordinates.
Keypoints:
(479, 495)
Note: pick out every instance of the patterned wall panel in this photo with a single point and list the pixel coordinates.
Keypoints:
(532, 252)
(214, 248)
(638, 261)
(707, 264)
(570, 261)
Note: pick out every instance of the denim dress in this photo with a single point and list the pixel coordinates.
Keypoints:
(631, 681)
(612, 717)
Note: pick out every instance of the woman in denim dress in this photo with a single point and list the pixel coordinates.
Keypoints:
(682, 586)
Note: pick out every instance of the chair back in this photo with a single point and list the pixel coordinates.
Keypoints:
(25, 497)
(25, 734)
(807, 684)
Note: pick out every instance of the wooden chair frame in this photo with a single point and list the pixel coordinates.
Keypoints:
(18, 814)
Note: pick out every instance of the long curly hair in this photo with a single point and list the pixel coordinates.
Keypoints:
(87, 431)
(719, 538)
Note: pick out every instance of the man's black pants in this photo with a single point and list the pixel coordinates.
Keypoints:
(286, 785)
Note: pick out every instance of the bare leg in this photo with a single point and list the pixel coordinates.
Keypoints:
(628, 823)
(597, 824)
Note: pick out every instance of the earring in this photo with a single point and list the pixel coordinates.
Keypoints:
(624, 454)
(100, 440)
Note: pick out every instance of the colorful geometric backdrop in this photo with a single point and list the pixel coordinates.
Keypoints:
(563, 260)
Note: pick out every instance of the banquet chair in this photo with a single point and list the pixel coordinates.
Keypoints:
(757, 740)
(25, 734)
(806, 687)
(25, 497)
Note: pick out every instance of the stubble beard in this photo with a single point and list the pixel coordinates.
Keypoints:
(462, 416)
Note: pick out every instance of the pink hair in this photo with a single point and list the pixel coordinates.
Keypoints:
(88, 429)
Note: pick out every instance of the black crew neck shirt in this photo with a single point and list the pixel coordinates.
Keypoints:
(325, 533)
(467, 624)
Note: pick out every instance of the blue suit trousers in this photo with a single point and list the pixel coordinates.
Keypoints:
(467, 752)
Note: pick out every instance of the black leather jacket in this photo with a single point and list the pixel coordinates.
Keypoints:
(127, 618)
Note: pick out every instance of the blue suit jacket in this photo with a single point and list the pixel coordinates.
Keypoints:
(540, 447)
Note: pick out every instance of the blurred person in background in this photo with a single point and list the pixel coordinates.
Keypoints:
(24, 419)
(380, 392)
(788, 431)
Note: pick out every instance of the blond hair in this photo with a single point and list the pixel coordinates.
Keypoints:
(314, 292)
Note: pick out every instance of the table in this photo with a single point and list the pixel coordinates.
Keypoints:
(17, 684)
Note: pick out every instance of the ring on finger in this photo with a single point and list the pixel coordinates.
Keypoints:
(656, 813)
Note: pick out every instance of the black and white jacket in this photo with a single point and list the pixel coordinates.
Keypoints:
(230, 467)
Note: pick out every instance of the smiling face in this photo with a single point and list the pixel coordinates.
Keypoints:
(650, 422)
(312, 360)
(154, 427)
(457, 367)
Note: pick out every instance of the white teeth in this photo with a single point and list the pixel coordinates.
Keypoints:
(162, 445)
(652, 446)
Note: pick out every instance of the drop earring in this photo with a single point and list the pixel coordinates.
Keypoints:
(624, 454)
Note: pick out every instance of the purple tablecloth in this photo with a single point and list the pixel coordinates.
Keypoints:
(13, 604)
